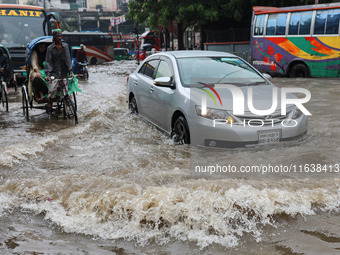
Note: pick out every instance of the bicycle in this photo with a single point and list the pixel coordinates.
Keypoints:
(65, 103)
(83, 70)
(62, 103)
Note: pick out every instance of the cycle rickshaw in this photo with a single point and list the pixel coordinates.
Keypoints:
(79, 68)
(65, 102)
(6, 75)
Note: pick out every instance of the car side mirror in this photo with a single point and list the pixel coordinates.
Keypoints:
(163, 82)
(267, 76)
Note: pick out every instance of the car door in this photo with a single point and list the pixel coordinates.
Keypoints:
(144, 81)
(161, 98)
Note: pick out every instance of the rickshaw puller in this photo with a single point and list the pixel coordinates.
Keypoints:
(58, 64)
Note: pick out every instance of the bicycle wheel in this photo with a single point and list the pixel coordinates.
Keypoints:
(69, 110)
(15, 86)
(60, 106)
(4, 97)
(75, 100)
(24, 96)
(86, 74)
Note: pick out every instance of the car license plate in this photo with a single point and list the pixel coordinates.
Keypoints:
(269, 136)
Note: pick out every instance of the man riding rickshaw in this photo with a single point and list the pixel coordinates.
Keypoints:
(79, 61)
(37, 87)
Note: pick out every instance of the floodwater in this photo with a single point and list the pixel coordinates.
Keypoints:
(114, 184)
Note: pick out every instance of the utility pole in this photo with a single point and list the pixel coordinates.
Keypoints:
(135, 30)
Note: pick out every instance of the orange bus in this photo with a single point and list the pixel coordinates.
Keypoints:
(19, 24)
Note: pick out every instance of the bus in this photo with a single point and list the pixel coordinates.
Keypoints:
(300, 41)
(98, 46)
(147, 41)
(19, 24)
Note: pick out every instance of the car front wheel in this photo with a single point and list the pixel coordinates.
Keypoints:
(133, 106)
(180, 131)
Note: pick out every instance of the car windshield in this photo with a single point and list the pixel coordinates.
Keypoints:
(217, 70)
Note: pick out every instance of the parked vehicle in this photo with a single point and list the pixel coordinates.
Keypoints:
(187, 94)
(121, 54)
(297, 41)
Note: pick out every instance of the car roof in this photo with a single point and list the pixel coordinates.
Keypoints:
(195, 53)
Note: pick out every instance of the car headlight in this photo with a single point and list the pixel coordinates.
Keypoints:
(297, 113)
(215, 114)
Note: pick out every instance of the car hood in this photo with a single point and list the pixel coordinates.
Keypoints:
(220, 96)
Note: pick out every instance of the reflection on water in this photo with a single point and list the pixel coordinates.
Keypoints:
(114, 177)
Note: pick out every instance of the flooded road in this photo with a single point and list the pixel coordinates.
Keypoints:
(114, 184)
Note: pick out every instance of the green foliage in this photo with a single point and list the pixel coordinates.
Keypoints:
(199, 12)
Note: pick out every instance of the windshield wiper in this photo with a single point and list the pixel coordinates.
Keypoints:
(228, 75)
(257, 83)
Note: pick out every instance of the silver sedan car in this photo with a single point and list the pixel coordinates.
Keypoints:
(200, 98)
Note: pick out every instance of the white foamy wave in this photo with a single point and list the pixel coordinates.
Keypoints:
(5, 203)
(18, 152)
(200, 211)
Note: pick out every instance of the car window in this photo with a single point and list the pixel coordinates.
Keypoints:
(217, 70)
(148, 68)
(163, 70)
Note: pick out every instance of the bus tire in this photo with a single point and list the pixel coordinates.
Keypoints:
(299, 71)
(93, 61)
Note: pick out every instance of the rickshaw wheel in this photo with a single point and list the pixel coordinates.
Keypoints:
(15, 86)
(4, 98)
(59, 106)
(25, 101)
(69, 109)
(86, 74)
(75, 100)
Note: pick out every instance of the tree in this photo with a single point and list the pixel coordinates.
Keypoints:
(187, 13)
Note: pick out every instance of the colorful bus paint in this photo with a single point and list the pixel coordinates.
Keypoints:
(297, 55)
(321, 55)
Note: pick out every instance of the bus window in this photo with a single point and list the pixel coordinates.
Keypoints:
(294, 23)
(281, 24)
(332, 26)
(300, 23)
(320, 22)
(276, 24)
(271, 24)
(305, 22)
(259, 24)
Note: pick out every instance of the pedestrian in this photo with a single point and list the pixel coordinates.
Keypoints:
(58, 64)
(81, 54)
